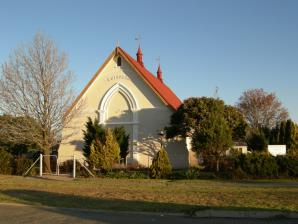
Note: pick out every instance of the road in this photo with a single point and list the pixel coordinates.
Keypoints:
(13, 213)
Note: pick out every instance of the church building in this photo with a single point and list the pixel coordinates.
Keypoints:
(124, 93)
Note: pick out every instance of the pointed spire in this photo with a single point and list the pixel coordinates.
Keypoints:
(140, 56)
(159, 73)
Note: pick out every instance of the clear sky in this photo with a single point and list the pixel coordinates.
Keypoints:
(232, 45)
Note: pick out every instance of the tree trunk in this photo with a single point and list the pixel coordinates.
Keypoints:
(217, 165)
(47, 161)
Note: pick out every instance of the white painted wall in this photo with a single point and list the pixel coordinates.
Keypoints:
(276, 150)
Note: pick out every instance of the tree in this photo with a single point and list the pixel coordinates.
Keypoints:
(261, 109)
(104, 155)
(290, 135)
(161, 166)
(274, 135)
(36, 83)
(122, 139)
(194, 111)
(92, 132)
(214, 136)
(14, 141)
(235, 120)
(257, 141)
(282, 133)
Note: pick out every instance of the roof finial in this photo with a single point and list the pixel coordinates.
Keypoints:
(139, 53)
(159, 72)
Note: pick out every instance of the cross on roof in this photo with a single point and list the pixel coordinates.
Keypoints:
(138, 39)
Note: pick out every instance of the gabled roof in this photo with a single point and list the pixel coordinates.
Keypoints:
(162, 90)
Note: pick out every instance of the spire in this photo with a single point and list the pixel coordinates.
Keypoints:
(140, 56)
(159, 73)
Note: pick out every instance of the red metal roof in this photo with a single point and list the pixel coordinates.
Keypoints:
(163, 90)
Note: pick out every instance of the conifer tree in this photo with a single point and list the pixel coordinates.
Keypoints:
(282, 133)
(290, 135)
(161, 166)
(93, 131)
(104, 156)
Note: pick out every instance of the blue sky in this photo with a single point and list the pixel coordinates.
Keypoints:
(233, 45)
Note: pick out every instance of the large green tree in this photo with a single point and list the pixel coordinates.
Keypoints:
(213, 137)
(195, 110)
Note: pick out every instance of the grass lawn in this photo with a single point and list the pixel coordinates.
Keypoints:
(151, 195)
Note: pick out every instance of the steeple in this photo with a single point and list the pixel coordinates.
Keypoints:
(140, 56)
(159, 73)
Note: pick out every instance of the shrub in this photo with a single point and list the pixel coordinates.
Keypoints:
(21, 165)
(287, 165)
(193, 172)
(122, 139)
(257, 142)
(104, 156)
(161, 166)
(6, 162)
(118, 174)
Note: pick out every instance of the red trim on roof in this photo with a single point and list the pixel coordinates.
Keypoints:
(164, 91)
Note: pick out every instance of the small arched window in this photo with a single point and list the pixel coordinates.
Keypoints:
(119, 61)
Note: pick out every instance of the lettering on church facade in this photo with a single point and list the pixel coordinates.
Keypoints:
(117, 77)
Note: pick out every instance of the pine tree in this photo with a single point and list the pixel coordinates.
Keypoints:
(290, 135)
(93, 131)
(161, 166)
(282, 130)
(122, 139)
(104, 156)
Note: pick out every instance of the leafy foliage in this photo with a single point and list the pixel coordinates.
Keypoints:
(21, 165)
(104, 155)
(290, 135)
(213, 137)
(16, 134)
(161, 166)
(92, 132)
(194, 111)
(6, 162)
(122, 139)
(261, 109)
(287, 165)
(257, 141)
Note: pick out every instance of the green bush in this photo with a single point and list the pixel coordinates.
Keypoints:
(104, 155)
(177, 175)
(6, 162)
(161, 166)
(193, 172)
(21, 165)
(259, 165)
(287, 165)
(127, 174)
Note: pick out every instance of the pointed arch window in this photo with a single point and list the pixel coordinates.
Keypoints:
(119, 62)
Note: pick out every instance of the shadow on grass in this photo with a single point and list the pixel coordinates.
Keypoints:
(33, 197)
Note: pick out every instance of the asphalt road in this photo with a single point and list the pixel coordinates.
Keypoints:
(13, 213)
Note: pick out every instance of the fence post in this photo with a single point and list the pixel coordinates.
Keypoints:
(40, 165)
(74, 166)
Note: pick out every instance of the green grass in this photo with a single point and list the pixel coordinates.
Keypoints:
(151, 195)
